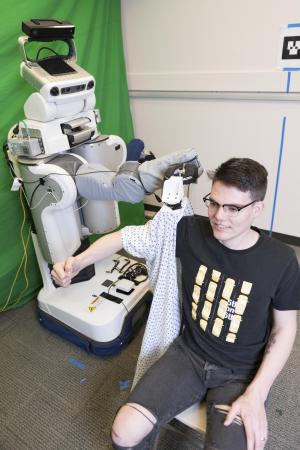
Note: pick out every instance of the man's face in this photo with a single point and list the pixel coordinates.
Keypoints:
(233, 232)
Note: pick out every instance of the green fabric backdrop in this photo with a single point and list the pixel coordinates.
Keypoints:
(98, 39)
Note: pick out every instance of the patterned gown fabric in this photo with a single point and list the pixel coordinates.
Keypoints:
(156, 242)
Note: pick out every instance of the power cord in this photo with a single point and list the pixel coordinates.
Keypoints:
(41, 183)
(23, 263)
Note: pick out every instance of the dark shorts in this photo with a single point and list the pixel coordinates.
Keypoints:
(181, 378)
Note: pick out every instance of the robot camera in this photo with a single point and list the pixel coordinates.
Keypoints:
(48, 29)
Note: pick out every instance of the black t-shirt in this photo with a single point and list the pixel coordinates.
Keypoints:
(228, 295)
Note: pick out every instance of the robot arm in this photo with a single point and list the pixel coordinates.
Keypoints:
(133, 180)
(70, 198)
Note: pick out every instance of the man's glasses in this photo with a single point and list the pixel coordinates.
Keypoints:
(229, 210)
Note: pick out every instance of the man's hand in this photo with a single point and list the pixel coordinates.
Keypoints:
(250, 408)
(64, 271)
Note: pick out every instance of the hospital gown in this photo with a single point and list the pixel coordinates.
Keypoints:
(156, 242)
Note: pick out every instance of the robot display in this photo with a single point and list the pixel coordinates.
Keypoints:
(73, 177)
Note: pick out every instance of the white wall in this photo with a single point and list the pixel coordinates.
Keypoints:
(205, 74)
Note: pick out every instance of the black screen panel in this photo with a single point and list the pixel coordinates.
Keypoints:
(56, 66)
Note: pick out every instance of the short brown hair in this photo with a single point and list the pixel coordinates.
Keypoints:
(243, 173)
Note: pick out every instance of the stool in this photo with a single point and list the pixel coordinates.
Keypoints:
(194, 417)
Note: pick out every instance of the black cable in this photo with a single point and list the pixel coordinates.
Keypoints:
(32, 182)
(46, 48)
(34, 191)
(158, 199)
(8, 161)
(12, 169)
(134, 271)
(74, 175)
(67, 175)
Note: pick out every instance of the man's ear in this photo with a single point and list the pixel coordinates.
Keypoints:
(258, 208)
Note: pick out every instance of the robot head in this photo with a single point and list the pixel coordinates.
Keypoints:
(61, 114)
(53, 72)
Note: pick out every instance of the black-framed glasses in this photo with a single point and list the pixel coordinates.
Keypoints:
(229, 210)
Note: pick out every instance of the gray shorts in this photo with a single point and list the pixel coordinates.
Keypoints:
(181, 378)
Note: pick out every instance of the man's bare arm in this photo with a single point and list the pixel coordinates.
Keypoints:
(64, 271)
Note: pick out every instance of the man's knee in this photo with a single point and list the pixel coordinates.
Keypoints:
(132, 424)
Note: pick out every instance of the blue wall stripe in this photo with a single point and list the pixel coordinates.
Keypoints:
(278, 174)
(288, 82)
(290, 69)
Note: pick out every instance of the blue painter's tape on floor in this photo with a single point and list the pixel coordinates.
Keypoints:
(77, 363)
(124, 384)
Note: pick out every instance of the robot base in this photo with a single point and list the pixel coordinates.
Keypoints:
(100, 315)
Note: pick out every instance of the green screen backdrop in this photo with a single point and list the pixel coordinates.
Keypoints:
(98, 40)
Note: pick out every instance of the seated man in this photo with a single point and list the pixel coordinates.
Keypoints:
(240, 293)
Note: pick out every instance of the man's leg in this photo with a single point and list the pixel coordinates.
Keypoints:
(139, 426)
(219, 437)
(168, 387)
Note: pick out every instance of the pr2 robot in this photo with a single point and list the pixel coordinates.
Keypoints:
(73, 177)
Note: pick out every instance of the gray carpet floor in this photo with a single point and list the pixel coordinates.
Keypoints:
(48, 403)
